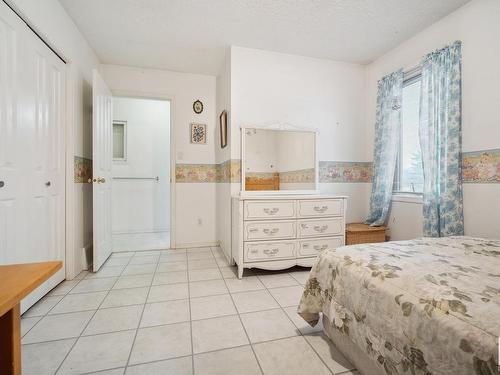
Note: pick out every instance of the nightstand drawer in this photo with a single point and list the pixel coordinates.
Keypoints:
(318, 208)
(312, 247)
(260, 251)
(267, 230)
(321, 227)
(278, 209)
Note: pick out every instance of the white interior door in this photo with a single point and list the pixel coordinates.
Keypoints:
(32, 194)
(102, 135)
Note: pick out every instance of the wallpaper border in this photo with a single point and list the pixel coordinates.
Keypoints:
(229, 171)
(481, 166)
(477, 167)
(82, 169)
(345, 172)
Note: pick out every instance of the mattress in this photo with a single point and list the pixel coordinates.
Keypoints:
(426, 306)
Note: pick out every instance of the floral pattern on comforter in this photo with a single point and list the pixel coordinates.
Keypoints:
(427, 306)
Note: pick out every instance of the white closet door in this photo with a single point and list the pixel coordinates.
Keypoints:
(102, 139)
(32, 198)
(13, 187)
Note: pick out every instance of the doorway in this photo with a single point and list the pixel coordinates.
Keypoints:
(141, 191)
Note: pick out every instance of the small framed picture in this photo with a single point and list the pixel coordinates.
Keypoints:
(198, 107)
(223, 129)
(198, 134)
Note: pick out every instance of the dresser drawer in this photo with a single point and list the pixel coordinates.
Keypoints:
(266, 230)
(320, 207)
(320, 227)
(313, 247)
(260, 251)
(277, 209)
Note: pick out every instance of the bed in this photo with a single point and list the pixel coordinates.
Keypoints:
(426, 306)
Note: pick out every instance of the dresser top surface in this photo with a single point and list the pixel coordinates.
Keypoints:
(288, 197)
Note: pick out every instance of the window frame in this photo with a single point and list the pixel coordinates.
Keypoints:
(410, 77)
(124, 124)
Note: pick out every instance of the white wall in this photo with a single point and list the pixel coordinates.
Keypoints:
(51, 21)
(269, 87)
(477, 25)
(195, 203)
(142, 205)
(261, 87)
(224, 189)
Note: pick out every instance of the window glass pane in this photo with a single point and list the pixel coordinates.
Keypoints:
(119, 141)
(411, 178)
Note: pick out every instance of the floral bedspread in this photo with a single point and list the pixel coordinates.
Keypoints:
(426, 306)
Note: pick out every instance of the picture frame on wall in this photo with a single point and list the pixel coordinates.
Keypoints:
(198, 133)
(223, 129)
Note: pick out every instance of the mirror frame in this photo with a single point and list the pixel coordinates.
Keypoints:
(281, 127)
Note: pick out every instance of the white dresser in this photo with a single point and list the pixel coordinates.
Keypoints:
(278, 232)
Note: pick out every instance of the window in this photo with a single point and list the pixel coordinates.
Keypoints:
(409, 173)
(119, 140)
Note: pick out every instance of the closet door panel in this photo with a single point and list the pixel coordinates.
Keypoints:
(44, 111)
(13, 189)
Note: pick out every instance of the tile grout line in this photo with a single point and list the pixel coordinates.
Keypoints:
(86, 325)
(241, 322)
(190, 315)
(299, 331)
(189, 301)
(47, 313)
(142, 314)
(168, 324)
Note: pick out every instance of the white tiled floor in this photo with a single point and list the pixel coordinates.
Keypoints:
(141, 241)
(176, 312)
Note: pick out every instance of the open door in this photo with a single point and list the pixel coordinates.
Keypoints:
(102, 128)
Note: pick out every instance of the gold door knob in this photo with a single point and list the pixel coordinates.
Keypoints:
(101, 180)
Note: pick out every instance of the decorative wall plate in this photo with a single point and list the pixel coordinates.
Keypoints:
(198, 107)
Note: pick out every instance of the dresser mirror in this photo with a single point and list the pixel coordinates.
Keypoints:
(278, 160)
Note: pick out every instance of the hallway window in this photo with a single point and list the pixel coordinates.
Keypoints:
(119, 140)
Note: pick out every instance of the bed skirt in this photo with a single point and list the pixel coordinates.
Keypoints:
(363, 364)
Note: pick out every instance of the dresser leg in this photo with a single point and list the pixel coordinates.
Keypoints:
(240, 272)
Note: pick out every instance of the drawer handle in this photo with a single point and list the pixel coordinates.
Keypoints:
(304, 226)
(272, 252)
(271, 231)
(253, 230)
(271, 211)
(320, 248)
(321, 228)
(320, 209)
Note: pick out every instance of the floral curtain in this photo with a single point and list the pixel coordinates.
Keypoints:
(441, 142)
(387, 135)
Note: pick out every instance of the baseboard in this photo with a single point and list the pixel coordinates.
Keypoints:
(196, 244)
(154, 230)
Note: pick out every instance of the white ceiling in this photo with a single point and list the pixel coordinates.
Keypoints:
(192, 35)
